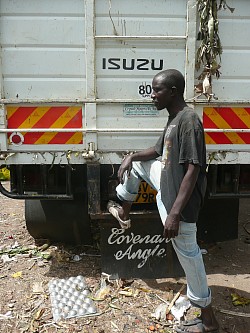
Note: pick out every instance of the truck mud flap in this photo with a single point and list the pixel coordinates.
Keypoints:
(59, 221)
(138, 252)
(218, 220)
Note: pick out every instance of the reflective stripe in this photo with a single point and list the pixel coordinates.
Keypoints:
(226, 118)
(47, 117)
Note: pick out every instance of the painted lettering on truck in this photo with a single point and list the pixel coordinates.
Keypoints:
(132, 64)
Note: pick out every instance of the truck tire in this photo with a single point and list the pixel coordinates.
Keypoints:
(59, 221)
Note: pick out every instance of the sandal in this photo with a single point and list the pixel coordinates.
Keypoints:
(185, 327)
(113, 209)
(192, 322)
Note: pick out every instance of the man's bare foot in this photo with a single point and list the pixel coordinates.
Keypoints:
(118, 212)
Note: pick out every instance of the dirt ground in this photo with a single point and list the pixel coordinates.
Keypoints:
(124, 306)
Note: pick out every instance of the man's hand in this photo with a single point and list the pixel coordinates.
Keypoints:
(171, 226)
(126, 165)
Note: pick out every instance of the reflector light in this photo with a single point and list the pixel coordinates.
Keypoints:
(16, 138)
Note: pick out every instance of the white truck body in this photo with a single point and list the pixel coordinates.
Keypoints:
(100, 55)
(75, 89)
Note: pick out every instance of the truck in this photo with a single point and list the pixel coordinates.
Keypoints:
(75, 95)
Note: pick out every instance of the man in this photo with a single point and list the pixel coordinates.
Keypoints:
(180, 181)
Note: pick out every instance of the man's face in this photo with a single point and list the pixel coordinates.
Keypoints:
(161, 95)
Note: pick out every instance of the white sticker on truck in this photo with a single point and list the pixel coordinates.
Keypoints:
(130, 110)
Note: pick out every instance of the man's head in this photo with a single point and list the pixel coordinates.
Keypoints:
(168, 86)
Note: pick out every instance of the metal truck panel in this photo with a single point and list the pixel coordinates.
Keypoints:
(43, 49)
(152, 17)
(37, 7)
(121, 72)
(233, 85)
(129, 47)
(132, 117)
(102, 54)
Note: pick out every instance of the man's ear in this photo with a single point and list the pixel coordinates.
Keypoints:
(174, 91)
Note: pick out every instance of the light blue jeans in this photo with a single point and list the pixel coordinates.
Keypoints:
(185, 244)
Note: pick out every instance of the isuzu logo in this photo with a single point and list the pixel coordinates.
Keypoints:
(140, 64)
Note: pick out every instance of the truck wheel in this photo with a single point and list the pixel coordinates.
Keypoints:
(60, 221)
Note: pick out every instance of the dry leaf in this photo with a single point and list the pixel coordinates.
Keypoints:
(17, 275)
(126, 293)
(112, 305)
(114, 325)
(44, 247)
(37, 288)
(102, 293)
(169, 295)
(239, 300)
(145, 290)
(129, 292)
(39, 314)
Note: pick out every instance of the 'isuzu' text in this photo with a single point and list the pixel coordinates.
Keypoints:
(132, 64)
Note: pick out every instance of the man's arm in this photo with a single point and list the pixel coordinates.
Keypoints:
(186, 189)
(144, 155)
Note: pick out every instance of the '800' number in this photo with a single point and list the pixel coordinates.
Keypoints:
(145, 90)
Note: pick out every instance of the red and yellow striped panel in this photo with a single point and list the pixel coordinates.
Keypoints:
(47, 117)
(223, 118)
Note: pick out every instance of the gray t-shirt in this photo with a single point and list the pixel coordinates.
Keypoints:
(182, 142)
